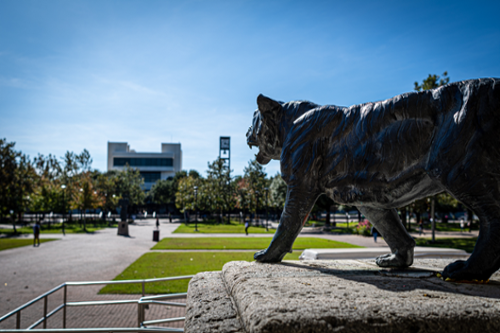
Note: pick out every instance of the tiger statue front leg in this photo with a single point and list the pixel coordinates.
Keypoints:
(299, 203)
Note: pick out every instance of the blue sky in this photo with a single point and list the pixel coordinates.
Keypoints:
(77, 74)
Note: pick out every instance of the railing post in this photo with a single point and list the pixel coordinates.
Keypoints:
(65, 301)
(18, 320)
(139, 314)
(143, 288)
(45, 312)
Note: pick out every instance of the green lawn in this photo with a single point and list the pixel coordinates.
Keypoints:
(337, 225)
(221, 243)
(237, 228)
(213, 228)
(9, 243)
(55, 228)
(466, 244)
(345, 228)
(446, 227)
(161, 264)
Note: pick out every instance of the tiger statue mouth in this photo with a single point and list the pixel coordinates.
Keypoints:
(253, 141)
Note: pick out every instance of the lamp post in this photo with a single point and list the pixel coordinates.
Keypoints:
(27, 205)
(242, 200)
(105, 205)
(64, 207)
(267, 207)
(257, 206)
(195, 208)
(81, 211)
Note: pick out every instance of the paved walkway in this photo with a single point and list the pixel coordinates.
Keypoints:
(27, 272)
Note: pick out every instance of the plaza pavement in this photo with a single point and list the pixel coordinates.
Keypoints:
(27, 272)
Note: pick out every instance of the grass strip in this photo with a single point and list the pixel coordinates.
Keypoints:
(10, 243)
(161, 264)
(466, 244)
(240, 243)
(213, 228)
(54, 229)
(446, 227)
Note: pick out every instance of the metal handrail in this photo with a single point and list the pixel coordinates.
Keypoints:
(89, 283)
(163, 303)
(159, 321)
(44, 318)
(87, 303)
(142, 304)
(148, 298)
(24, 306)
(99, 330)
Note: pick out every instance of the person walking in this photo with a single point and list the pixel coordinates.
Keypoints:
(157, 222)
(374, 233)
(462, 225)
(36, 234)
(421, 228)
(246, 227)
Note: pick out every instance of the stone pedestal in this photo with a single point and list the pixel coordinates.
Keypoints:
(373, 252)
(123, 228)
(339, 296)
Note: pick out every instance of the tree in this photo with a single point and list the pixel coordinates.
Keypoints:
(106, 187)
(47, 196)
(432, 82)
(24, 179)
(84, 160)
(72, 167)
(86, 197)
(194, 174)
(184, 197)
(178, 176)
(278, 189)
(129, 185)
(219, 183)
(47, 167)
(16, 181)
(163, 192)
(242, 186)
(8, 167)
(255, 178)
(57, 184)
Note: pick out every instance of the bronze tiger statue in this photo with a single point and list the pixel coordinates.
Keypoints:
(384, 155)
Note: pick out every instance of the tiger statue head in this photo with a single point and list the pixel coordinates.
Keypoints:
(265, 132)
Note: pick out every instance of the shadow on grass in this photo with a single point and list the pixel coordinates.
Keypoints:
(10, 243)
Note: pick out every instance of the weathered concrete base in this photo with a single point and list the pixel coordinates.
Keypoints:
(372, 252)
(339, 296)
(123, 228)
(210, 308)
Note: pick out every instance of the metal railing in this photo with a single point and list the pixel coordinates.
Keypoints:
(142, 304)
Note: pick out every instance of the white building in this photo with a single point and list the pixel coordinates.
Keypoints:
(152, 166)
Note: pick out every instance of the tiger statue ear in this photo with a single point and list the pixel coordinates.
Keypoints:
(270, 109)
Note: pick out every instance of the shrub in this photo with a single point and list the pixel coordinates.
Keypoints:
(364, 228)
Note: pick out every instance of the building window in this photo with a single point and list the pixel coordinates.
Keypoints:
(151, 177)
(143, 162)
